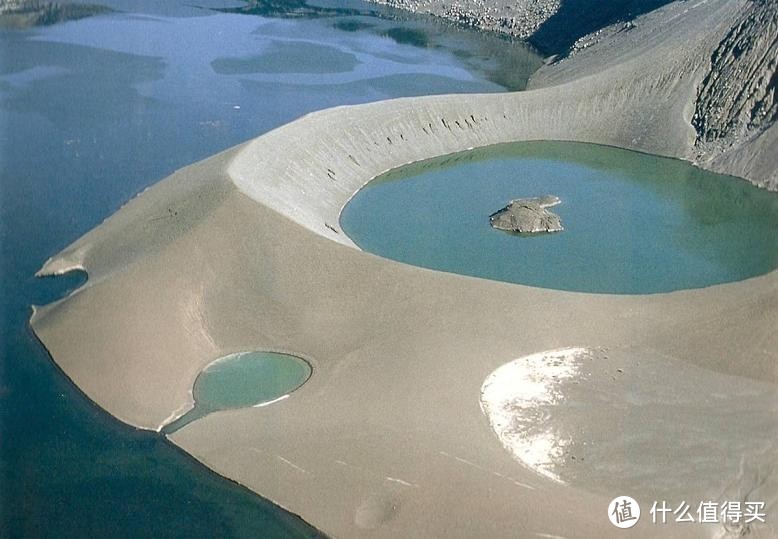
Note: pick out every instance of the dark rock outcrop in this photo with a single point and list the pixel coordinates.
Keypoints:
(553, 26)
(737, 98)
(21, 14)
(575, 19)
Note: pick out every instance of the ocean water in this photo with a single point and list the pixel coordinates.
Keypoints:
(95, 105)
(634, 223)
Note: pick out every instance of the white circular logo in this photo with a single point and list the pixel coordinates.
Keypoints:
(624, 512)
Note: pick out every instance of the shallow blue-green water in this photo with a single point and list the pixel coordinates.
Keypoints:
(634, 223)
(242, 380)
(92, 111)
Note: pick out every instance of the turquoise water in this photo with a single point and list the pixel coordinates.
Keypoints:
(93, 109)
(242, 380)
(634, 223)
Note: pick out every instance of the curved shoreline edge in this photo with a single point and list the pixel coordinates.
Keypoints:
(243, 251)
(643, 102)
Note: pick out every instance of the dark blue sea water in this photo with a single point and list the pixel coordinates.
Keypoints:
(95, 108)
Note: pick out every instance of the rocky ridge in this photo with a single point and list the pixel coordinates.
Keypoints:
(736, 102)
(553, 26)
(520, 18)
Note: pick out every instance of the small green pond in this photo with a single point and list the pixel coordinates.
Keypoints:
(242, 380)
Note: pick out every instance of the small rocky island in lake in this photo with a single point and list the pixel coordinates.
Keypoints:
(528, 216)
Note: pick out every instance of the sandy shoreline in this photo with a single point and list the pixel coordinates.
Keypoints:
(243, 252)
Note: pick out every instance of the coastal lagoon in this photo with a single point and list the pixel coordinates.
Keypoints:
(94, 110)
(633, 223)
(241, 380)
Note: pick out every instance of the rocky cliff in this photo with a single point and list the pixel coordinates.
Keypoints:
(736, 104)
(553, 26)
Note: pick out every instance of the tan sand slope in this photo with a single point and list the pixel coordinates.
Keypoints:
(388, 439)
